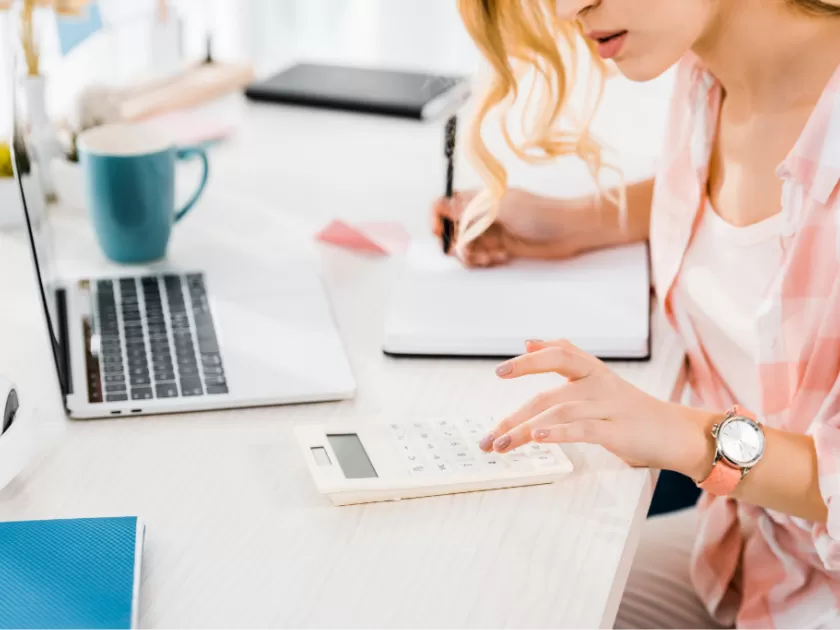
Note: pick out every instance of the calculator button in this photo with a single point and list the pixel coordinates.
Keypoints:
(441, 467)
(462, 455)
(397, 430)
(442, 425)
(450, 434)
(519, 461)
(493, 461)
(419, 470)
(544, 460)
(454, 445)
(402, 442)
(534, 447)
(467, 466)
(426, 447)
(419, 427)
(409, 454)
(474, 432)
(486, 424)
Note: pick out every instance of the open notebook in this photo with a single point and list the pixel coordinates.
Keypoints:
(599, 301)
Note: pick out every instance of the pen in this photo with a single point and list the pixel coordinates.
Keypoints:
(449, 151)
(10, 411)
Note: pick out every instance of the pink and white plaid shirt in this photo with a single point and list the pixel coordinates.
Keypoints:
(790, 570)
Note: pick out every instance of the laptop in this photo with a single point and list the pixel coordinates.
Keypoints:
(599, 301)
(218, 337)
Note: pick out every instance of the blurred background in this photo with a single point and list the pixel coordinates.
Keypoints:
(114, 44)
(422, 34)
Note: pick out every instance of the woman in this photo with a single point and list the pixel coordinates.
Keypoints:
(744, 224)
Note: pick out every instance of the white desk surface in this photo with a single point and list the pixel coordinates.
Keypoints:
(237, 535)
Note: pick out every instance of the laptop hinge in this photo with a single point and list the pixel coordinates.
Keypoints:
(63, 350)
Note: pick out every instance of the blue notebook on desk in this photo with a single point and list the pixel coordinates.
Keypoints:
(79, 573)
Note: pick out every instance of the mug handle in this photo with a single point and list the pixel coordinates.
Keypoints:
(185, 153)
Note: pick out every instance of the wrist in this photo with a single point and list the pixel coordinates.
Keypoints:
(596, 224)
(606, 227)
(696, 446)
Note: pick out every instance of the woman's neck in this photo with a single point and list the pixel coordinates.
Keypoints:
(768, 56)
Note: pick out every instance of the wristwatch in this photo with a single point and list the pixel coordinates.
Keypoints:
(740, 446)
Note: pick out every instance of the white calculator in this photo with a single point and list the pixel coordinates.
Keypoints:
(387, 462)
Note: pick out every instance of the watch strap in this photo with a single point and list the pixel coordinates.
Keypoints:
(722, 480)
(725, 478)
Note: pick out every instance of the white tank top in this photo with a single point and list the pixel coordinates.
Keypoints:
(725, 275)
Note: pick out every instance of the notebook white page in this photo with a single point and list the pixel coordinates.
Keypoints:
(599, 301)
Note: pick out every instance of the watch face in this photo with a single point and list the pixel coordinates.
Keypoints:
(741, 441)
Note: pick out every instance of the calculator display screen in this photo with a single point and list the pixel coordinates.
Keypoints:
(352, 456)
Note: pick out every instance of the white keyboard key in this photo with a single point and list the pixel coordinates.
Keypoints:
(442, 425)
(449, 434)
(441, 467)
(544, 460)
(435, 457)
(419, 427)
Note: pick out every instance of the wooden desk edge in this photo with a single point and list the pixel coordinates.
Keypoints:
(625, 564)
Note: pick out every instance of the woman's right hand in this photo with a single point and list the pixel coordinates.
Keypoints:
(527, 226)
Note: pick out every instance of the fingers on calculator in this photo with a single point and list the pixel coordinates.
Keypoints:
(446, 446)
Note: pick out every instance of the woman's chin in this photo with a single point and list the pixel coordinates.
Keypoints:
(639, 70)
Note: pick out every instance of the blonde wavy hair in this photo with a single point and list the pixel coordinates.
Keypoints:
(518, 37)
(521, 36)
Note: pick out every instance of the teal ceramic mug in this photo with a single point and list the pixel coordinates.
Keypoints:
(129, 172)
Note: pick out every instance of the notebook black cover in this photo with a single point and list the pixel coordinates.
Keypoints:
(366, 90)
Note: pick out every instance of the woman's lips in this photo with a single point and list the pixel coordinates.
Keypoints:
(609, 43)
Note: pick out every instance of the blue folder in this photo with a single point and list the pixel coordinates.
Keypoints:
(79, 573)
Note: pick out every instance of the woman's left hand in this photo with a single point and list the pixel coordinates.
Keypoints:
(597, 406)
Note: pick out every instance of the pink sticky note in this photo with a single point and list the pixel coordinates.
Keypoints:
(345, 235)
(390, 236)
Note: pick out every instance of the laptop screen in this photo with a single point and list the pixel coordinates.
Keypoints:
(35, 209)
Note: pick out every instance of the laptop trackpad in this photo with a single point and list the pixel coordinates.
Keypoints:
(285, 346)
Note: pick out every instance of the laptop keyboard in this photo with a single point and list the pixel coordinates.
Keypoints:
(157, 339)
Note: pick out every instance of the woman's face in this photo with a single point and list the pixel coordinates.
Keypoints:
(643, 37)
